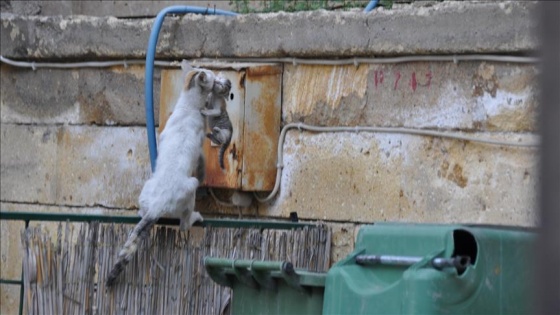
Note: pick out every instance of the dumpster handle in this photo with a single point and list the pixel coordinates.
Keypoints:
(459, 262)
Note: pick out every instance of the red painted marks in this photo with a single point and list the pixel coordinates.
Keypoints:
(428, 79)
(398, 77)
(378, 77)
(413, 82)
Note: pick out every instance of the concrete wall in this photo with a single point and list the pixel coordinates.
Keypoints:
(75, 140)
(143, 8)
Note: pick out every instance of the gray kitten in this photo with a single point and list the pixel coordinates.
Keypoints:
(218, 118)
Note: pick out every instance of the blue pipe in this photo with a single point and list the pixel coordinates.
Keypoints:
(150, 56)
(371, 5)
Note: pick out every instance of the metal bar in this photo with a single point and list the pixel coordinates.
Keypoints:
(7, 281)
(387, 260)
(248, 264)
(224, 223)
(459, 262)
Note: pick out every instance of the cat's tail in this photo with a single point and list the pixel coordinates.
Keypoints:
(222, 152)
(130, 247)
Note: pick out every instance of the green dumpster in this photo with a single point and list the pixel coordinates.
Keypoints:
(433, 269)
(268, 287)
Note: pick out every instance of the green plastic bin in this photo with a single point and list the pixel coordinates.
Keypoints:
(434, 269)
(268, 287)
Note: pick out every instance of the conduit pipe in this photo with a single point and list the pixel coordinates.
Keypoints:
(294, 61)
(149, 77)
(371, 5)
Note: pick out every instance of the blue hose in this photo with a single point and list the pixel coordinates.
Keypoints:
(371, 5)
(150, 56)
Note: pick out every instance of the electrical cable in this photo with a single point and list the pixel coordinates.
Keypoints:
(370, 6)
(150, 62)
(383, 60)
(87, 64)
(294, 61)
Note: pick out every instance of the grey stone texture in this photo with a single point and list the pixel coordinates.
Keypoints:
(444, 28)
(121, 8)
(108, 96)
(369, 177)
(73, 165)
(469, 96)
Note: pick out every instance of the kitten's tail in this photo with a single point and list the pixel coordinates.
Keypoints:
(130, 247)
(222, 152)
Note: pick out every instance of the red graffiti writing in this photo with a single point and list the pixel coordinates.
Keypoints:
(428, 80)
(413, 82)
(429, 77)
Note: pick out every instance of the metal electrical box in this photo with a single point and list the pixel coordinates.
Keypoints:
(254, 108)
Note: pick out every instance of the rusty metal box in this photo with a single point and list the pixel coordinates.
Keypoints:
(254, 108)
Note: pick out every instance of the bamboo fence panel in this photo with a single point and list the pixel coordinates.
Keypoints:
(166, 276)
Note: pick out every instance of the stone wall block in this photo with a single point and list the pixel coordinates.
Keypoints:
(472, 96)
(29, 164)
(74, 165)
(365, 177)
(102, 96)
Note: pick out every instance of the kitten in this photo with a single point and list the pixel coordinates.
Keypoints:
(171, 189)
(218, 119)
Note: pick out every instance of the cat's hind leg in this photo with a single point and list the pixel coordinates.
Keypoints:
(214, 137)
(191, 184)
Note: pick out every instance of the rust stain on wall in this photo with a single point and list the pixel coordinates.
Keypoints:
(171, 86)
(95, 114)
(137, 70)
(457, 176)
(262, 126)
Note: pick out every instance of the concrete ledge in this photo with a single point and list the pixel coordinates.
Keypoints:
(445, 28)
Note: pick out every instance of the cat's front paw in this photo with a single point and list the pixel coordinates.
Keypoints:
(195, 217)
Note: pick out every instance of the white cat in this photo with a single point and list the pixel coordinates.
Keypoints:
(171, 189)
